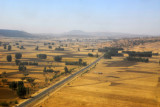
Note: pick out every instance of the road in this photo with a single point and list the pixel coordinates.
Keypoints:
(41, 95)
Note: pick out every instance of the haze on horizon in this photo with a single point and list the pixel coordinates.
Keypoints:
(58, 16)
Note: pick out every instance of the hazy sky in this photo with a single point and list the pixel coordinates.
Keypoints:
(56, 16)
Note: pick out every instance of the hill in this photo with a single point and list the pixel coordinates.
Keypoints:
(14, 33)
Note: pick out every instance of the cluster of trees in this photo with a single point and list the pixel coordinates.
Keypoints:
(50, 70)
(139, 59)
(110, 51)
(27, 63)
(59, 49)
(138, 54)
(106, 49)
(107, 55)
(49, 43)
(79, 62)
(42, 56)
(90, 55)
(22, 91)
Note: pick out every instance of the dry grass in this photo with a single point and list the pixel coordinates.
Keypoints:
(30, 54)
(122, 84)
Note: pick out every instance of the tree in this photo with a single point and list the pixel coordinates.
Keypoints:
(31, 80)
(78, 49)
(13, 85)
(97, 55)
(9, 47)
(20, 84)
(5, 46)
(66, 70)
(36, 48)
(21, 91)
(45, 69)
(22, 47)
(80, 61)
(17, 61)
(9, 58)
(18, 55)
(58, 58)
(50, 47)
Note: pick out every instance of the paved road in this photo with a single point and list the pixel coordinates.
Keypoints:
(41, 95)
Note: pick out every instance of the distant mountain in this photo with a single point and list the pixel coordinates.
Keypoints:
(14, 33)
(79, 33)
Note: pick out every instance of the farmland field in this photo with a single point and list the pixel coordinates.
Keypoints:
(10, 71)
(113, 82)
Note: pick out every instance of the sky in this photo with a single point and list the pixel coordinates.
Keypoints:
(58, 16)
